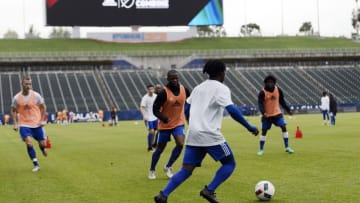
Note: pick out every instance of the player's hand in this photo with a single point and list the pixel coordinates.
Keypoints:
(165, 120)
(254, 130)
(15, 128)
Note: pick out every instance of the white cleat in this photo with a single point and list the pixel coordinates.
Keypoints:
(168, 171)
(36, 169)
(152, 175)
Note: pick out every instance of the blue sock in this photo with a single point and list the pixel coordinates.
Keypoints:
(262, 142)
(174, 155)
(286, 139)
(176, 180)
(32, 155)
(155, 158)
(150, 138)
(222, 174)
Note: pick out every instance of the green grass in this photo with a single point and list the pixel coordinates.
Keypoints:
(49, 45)
(89, 163)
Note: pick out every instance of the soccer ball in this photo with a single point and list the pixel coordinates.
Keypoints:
(264, 190)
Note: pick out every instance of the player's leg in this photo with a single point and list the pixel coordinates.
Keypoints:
(25, 134)
(223, 154)
(179, 136)
(282, 124)
(266, 125)
(39, 135)
(164, 137)
(193, 157)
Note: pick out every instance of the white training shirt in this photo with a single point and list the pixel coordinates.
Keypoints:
(208, 101)
(147, 102)
(325, 103)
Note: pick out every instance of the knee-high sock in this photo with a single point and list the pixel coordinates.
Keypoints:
(262, 141)
(221, 175)
(174, 155)
(286, 139)
(150, 139)
(178, 178)
(155, 158)
(32, 155)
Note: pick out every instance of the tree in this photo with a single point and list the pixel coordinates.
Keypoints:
(306, 28)
(59, 33)
(251, 29)
(11, 34)
(32, 33)
(355, 20)
(211, 31)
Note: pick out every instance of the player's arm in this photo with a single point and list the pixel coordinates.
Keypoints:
(42, 108)
(187, 111)
(142, 111)
(237, 116)
(283, 103)
(261, 99)
(14, 116)
(158, 103)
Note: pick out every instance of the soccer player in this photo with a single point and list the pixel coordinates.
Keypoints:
(6, 119)
(59, 117)
(146, 109)
(325, 106)
(30, 108)
(169, 109)
(269, 99)
(333, 109)
(113, 114)
(207, 103)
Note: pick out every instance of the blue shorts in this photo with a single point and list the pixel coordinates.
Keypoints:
(164, 135)
(277, 121)
(194, 155)
(152, 124)
(37, 133)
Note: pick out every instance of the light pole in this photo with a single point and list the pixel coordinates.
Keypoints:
(318, 16)
(282, 17)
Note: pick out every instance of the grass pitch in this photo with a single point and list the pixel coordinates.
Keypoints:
(90, 163)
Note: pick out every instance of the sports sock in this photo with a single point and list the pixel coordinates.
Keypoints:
(286, 139)
(262, 141)
(176, 180)
(32, 155)
(150, 138)
(174, 155)
(155, 158)
(221, 175)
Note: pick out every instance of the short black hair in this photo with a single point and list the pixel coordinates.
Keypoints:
(148, 86)
(214, 67)
(270, 78)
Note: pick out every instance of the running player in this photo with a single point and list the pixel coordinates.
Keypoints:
(207, 102)
(269, 99)
(325, 107)
(30, 108)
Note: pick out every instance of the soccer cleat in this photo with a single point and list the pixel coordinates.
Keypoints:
(44, 152)
(150, 149)
(36, 169)
(168, 171)
(289, 150)
(260, 152)
(152, 175)
(209, 195)
(160, 198)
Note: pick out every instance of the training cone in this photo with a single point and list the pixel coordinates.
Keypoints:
(48, 143)
(298, 133)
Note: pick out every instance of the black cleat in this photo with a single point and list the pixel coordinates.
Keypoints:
(160, 198)
(208, 195)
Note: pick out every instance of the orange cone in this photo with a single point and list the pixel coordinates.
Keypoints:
(298, 133)
(48, 143)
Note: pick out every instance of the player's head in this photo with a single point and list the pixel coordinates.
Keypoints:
(173, 77)
(158, 88)
(150, 89)
(324, 93)
(215, 69)
(26, 84)
(269, 82)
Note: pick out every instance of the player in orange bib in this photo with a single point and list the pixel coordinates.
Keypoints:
(59, 117)
(7, 119)
(28, 110)
(269, 99)
(169, 109)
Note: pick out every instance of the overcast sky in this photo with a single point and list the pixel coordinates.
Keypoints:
(273, 16)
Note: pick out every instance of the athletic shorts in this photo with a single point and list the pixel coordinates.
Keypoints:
(276, 120)
(152, 124)
(164, 135)
(194, 155)
(37, 133)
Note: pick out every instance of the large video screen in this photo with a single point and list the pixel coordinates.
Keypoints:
(133, 12)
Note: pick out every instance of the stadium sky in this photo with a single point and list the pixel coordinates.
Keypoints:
(334, 16)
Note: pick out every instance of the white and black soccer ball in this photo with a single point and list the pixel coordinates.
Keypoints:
(264, 190)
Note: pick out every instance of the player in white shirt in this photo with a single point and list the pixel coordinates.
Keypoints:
(146, 109)
(325, 106)
(207, 103)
